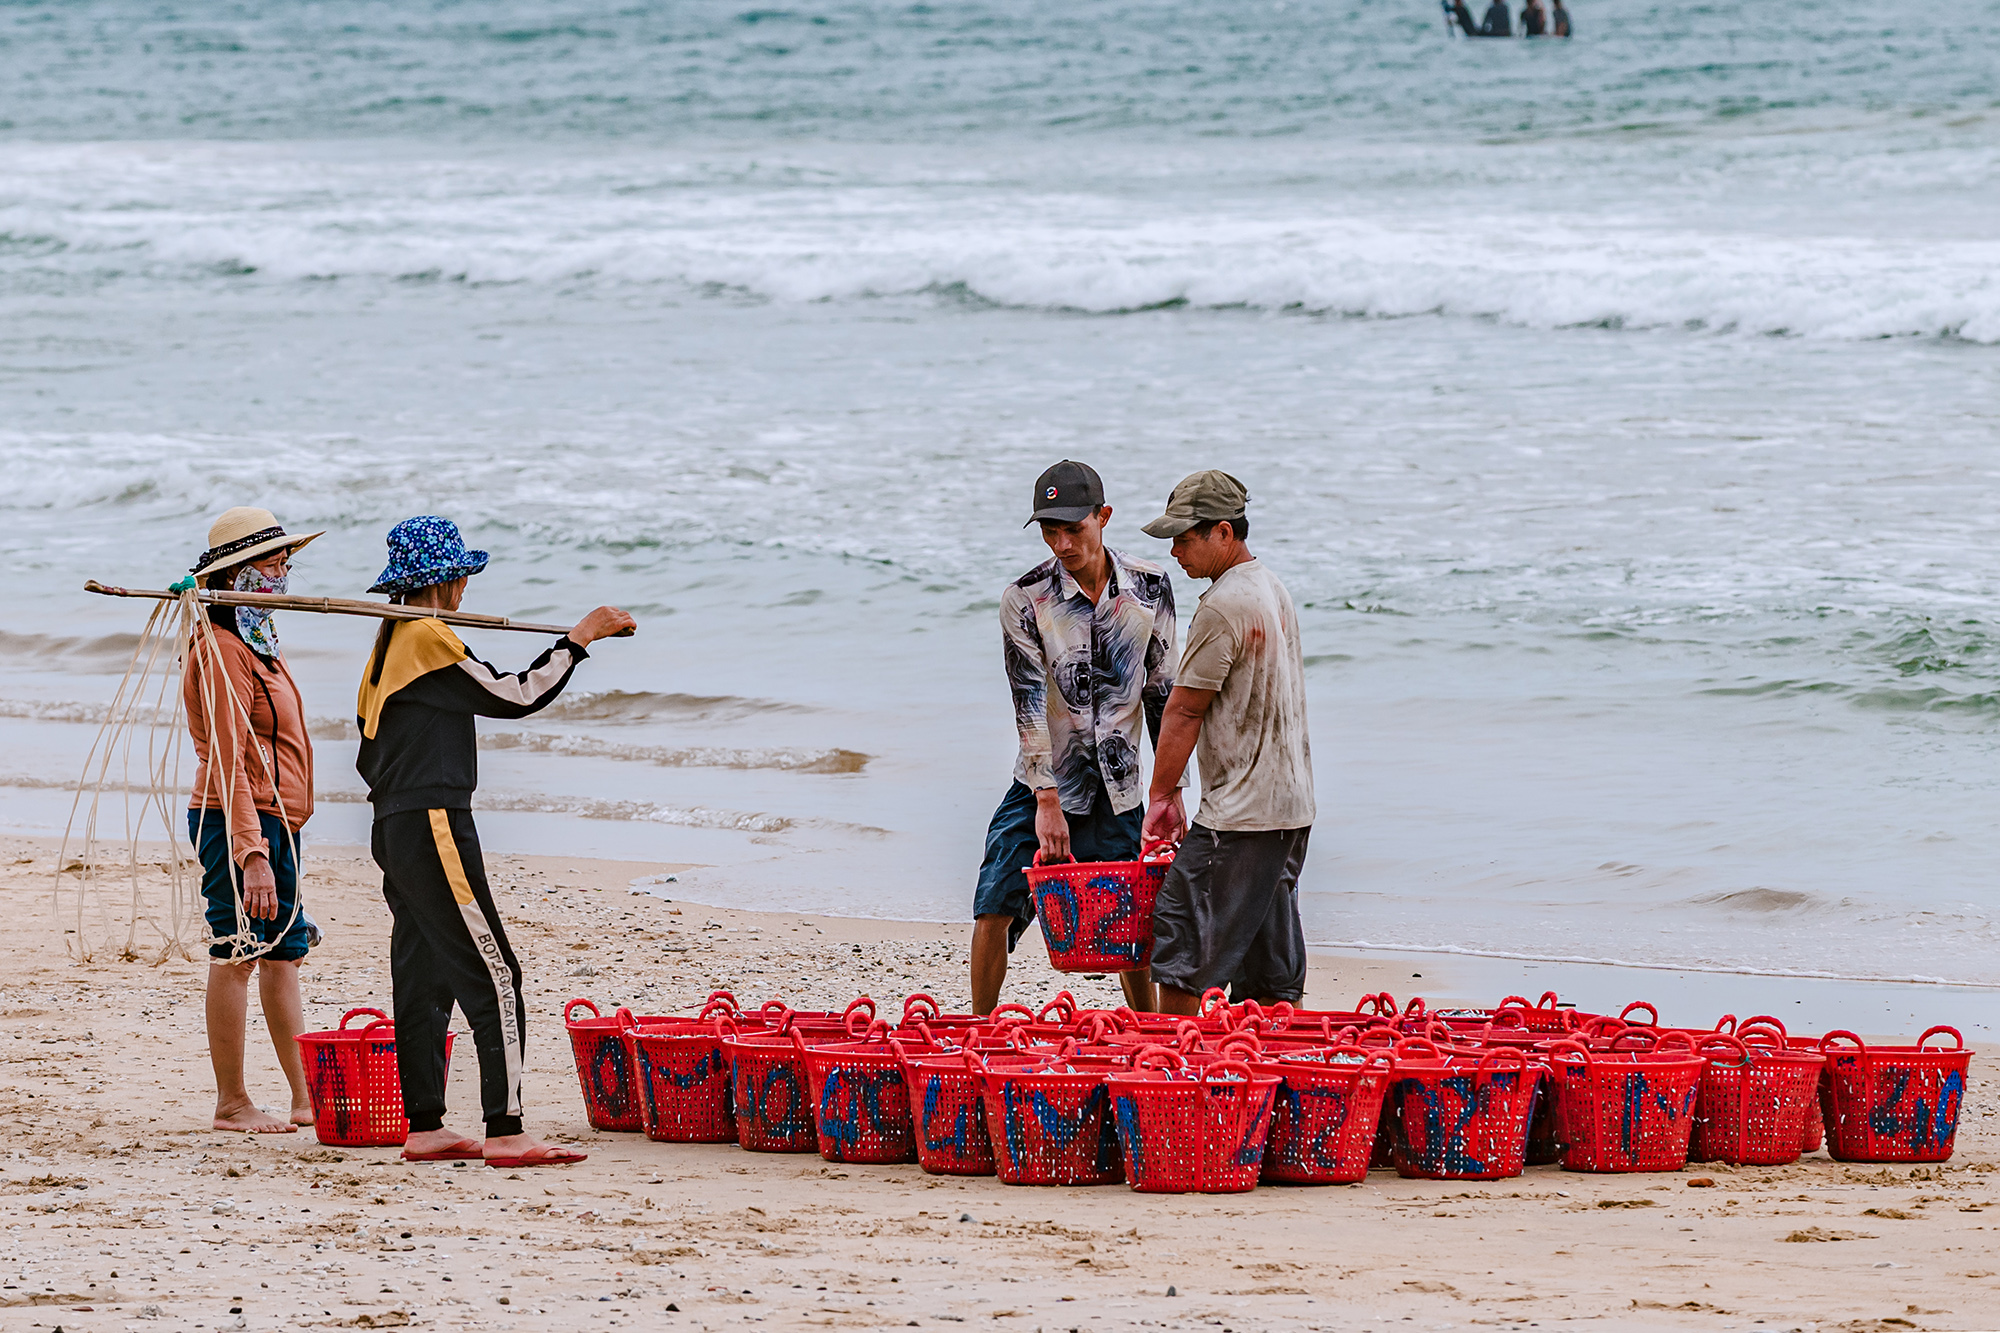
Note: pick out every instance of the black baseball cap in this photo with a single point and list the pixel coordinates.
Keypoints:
(1069, 492)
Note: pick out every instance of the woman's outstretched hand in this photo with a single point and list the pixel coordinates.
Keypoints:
(606, 622)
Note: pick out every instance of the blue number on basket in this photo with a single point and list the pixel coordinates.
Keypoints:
(1058, 928)
(961, 1133)
(758, 1101)
(864, 1103)
(1125, 908)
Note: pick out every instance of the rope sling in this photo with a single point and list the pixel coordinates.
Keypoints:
(178, 636)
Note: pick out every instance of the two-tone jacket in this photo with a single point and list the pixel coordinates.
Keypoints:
(415, 709)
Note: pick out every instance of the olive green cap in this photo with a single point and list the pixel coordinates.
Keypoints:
(1202, 497)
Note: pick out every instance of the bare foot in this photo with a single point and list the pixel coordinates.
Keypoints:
(527, 1150)
(252, 1120)
(435, 1141)
(303, 1115)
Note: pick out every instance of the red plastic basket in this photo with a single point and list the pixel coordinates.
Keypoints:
(1097, 916)
(768, 1093)
(1461, 1117)
(683, 1077)
(357, 1095)
(604, 1066)
(1625, 1111)
(1049, 1121)
(1325, 1115)
(1185, 1130)
(947, 1112)
(861, 1104)
(1893, 1103)
(1754, 1103)
(1767, 1031)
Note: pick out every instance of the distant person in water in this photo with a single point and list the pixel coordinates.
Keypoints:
(1463, 18)
(1497, 23)
(1560, 27)
(1534, 19)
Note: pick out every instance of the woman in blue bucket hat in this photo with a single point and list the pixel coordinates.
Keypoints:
(418, 698)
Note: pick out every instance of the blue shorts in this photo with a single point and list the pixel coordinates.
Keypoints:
(220, 878)
(1011, 844)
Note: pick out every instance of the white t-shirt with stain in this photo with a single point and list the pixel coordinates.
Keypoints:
(1256, 759)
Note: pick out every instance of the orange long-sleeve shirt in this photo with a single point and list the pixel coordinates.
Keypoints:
(256, 746)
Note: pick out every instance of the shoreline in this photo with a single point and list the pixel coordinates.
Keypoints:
(115, 1172)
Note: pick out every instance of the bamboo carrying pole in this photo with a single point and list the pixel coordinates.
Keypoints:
(336, 606)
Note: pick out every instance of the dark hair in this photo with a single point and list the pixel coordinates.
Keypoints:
(1065, 522)
(1240, 525)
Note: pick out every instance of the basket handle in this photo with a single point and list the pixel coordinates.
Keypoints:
(716, 1006)
(1566, 1049)
(1725, 1024)
(774, 1012)
(1416, 1009)
(1860, 1045)
(1240, 1041)
(1642, 1039)
(626, 1019)
(1382, 1005)
(857, 1020)
(1652, 1014)
(1062, 1009)
(1601, 1025)
(1157, 851)
(920, 1006)
(859, 1002)
(1958, 1041)
(1011, 1013)
(725, 1025)
(1095, 1027)
(1513, 1002)
(1549, 1000)
(351, 1013)
(1237, 1067)
(1159, 1057)
(1038, 861)
(380, 1023)
(798, 1042)
(723, 997)
(1727, 1042)
(1765, 1021)
(1187, 1034)
(1672, 1037)
(1481, 1073)
(1516, 1019)
(1415, 1046)
(1214, 1003)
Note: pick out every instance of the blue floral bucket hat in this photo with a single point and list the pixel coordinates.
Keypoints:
(425, 550)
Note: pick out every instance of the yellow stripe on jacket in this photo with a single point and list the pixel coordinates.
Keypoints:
(416, 648)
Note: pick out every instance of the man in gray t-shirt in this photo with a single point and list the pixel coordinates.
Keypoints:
(1228, 913)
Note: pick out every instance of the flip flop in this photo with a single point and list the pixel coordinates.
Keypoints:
(549, 1155)
(465, 1150)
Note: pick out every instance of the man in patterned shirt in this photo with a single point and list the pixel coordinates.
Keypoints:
(1089, 643)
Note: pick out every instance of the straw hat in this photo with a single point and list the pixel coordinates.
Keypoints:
(244, 534)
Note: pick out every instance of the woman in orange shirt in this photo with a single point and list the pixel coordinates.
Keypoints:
(252, 796)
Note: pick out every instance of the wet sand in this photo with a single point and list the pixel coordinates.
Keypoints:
(122, 1209)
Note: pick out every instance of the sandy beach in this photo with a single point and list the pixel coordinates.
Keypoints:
(123, 1210)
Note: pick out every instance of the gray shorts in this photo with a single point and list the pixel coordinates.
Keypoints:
(1228, 915)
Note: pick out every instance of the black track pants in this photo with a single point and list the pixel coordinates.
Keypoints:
(448, 945)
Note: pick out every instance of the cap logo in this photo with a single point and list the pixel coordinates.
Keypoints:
(1049, 494)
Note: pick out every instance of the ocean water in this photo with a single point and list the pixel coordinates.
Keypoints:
(1621, 412)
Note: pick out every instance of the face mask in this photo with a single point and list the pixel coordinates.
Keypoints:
(252, 623)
